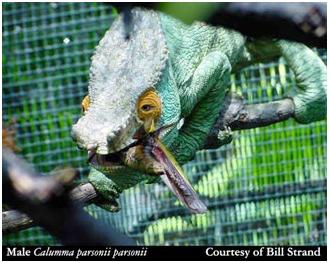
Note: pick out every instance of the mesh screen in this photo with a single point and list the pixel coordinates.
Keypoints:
(268, 187)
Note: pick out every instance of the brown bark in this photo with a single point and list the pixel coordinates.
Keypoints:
(236, 115)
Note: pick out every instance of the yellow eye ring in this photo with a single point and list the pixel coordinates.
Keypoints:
(149, 105)
(85, 103)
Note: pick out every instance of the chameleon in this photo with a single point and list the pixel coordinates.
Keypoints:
(154, 97)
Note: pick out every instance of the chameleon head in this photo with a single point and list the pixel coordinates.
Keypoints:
(148, 109)
(149, 154)
(122, 70)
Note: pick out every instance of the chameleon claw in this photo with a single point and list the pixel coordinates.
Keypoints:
(225, 136)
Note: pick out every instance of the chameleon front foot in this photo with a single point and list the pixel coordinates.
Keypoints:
(225, 136)
(110, 205)
(108, 192)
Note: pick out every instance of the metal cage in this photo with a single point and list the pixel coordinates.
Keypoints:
(268, 187)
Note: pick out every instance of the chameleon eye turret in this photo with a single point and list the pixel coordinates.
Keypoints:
(85, 103)
(149, 109)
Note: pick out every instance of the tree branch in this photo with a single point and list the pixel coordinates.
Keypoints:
(13, 220)
(46, 201)
(236, 115)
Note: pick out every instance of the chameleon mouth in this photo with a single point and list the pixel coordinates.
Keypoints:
(111, 160)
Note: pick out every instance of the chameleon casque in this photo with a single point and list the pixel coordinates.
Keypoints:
(154, 97)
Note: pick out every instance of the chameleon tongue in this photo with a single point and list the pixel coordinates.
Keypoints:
(150, 155)
(175, 179)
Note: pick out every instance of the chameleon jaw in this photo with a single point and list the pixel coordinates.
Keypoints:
(111, 161)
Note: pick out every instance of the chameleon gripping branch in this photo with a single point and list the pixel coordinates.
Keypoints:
(235, 115)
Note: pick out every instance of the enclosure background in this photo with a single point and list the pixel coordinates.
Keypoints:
(266, 188)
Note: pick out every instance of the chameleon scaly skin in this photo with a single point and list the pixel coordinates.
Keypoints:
(189, 68)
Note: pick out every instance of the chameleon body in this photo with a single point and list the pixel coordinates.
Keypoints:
(189, 67)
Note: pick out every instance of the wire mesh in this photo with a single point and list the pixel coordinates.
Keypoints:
(268, 187)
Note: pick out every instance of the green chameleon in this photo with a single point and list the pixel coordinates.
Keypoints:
(154, 97)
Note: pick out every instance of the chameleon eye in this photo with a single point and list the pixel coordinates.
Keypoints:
(85, 103)
(146, 107)
(149, 105)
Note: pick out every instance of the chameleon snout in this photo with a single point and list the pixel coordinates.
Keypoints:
(104, 137)
(82, 141)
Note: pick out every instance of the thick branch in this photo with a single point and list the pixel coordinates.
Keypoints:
(237, 115)
(13, 220)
